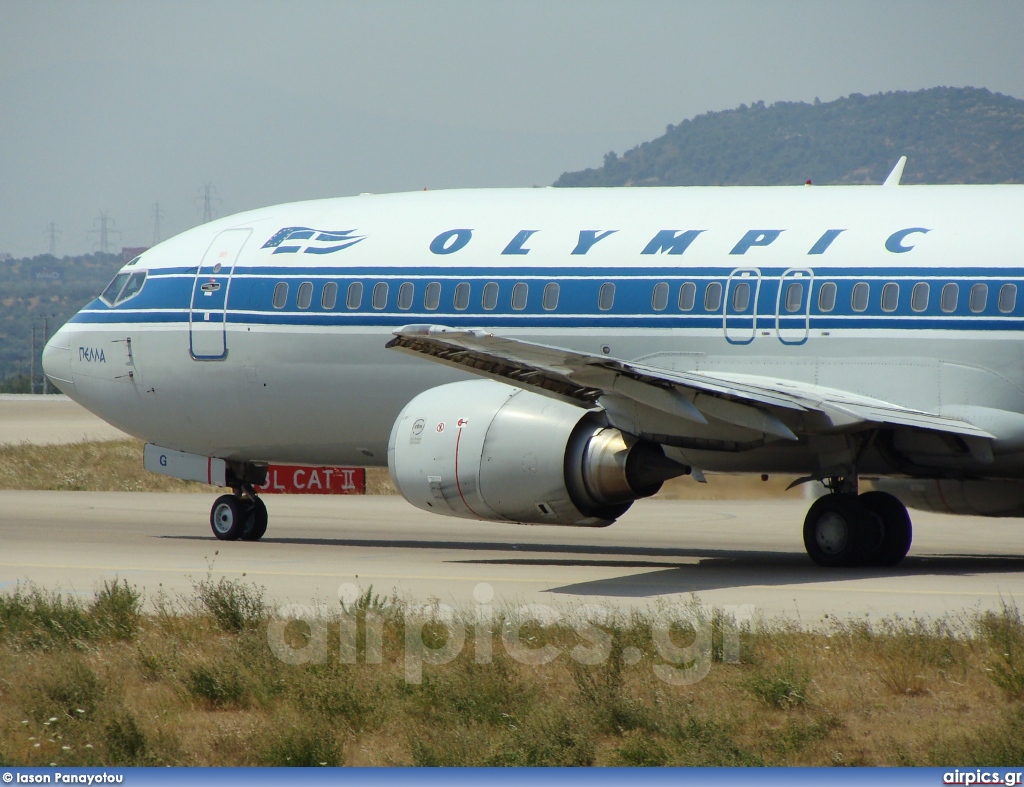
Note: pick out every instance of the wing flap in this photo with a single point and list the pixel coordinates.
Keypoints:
(582, 378)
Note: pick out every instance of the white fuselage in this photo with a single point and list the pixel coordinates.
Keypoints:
(260, 337)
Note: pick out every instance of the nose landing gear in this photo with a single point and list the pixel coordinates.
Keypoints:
(241, 515)
(847, 529)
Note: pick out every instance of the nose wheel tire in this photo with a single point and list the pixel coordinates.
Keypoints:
(256, 525)
(228, 517)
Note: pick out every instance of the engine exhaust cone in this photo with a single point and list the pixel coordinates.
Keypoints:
(647, 468)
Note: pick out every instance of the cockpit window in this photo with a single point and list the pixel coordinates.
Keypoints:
(110, 294)
(133, 286)
(124, 286)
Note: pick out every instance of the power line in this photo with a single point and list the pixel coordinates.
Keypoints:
(209, 197)
(207, 208)
(157, 213)
(104, 230)
(52, 232)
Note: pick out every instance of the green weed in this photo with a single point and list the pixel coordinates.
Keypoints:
(468, 692)
(702, 742)
(234, 605)
(642, 751)
(117, 609)
(781, 686)
(449, 746)
(218, 687)
(69, 691)
(40, 619)
(333, 692)
(549, 736)
(1005, 633)
(125, 741)
(301, 745)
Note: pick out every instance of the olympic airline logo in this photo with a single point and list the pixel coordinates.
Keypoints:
(305, 240)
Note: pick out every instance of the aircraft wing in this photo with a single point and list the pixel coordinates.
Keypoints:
(750, 401)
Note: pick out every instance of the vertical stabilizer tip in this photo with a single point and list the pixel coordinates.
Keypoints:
(897, 173)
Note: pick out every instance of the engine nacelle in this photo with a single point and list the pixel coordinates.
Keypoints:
(977, 498)
(484, 450)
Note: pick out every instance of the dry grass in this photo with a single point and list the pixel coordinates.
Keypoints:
(196, 683)
(378, 482)
(108, 466)
(116, 466)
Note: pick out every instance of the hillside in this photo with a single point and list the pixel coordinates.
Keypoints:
(950, 135)
(41, 287)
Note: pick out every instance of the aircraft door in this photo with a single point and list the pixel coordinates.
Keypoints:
(741, 293)
(207, 320)
(793, 305)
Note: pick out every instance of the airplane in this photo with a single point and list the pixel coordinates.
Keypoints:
(549, 356)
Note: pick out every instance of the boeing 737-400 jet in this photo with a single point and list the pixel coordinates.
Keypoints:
(548, 356)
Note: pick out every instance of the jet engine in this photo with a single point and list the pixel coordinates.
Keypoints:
(484, 450)
(977, 498)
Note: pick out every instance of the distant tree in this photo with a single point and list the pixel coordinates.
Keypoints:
(18, 384)
(34, 289)
(950, 135)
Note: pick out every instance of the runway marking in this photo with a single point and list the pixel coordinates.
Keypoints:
(492, 578)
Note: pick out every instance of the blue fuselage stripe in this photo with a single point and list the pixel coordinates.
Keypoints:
(168, 297)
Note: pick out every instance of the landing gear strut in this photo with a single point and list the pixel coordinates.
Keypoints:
(846, 529)
(241, 515)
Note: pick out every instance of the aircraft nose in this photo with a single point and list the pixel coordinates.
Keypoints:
(57, 361)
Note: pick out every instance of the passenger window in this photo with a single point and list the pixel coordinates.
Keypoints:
(462, 296)
(890, 297)
(355, 295)
(380, 295)
(949, 296)
(713, 297)
(305, 295)
(794, 296)
(606, 296)
(827, 296)
(432, 296)
(280, 294)
(329, 297)
(859, 298)
(405, 294)
(519, 294)
(659, 298)
(110, 294)
(1007, 298)
(549, 300)
(133, 286)
(919, 296)
(687, 296)
(741, 297)
(979, 298)
(490, 298)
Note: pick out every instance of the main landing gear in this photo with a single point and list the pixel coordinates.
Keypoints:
(847, 529)
(241, 515)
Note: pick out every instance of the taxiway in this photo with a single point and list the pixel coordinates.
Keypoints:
(727, 553)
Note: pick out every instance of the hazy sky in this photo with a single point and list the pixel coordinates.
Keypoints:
(115, 106)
